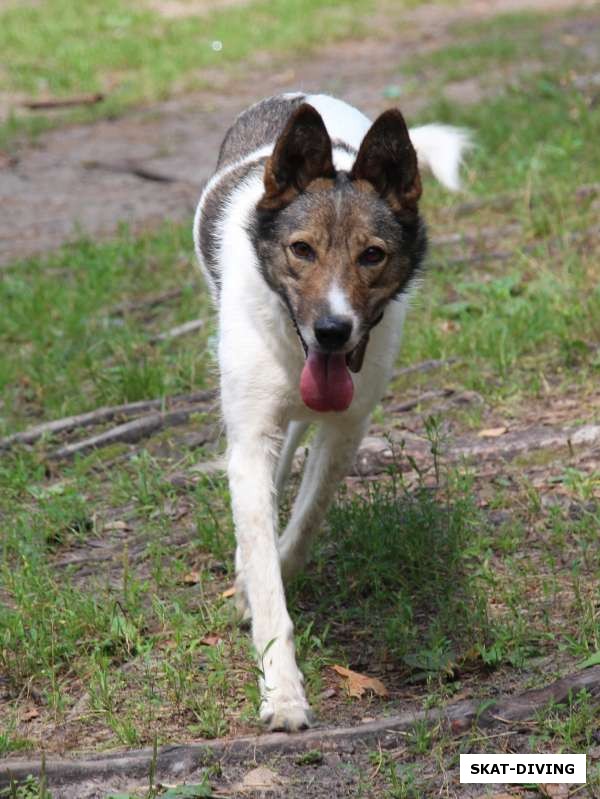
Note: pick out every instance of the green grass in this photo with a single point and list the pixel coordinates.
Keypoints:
(533, 314)
(483, 48)
(515, 46)
(62, 46)
(135, 55)
(30, 788)
(72, 347)
(397, 563)
(57, 631)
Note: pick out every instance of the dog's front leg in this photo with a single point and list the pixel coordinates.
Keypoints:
(251, 466)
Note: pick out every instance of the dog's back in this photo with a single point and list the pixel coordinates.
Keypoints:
(256, 127)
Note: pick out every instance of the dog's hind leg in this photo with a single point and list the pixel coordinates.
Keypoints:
(329, 459)
(293, 437)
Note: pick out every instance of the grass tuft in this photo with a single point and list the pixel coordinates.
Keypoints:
(397, 562)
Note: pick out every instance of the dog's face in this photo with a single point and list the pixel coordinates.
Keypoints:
(337, 247)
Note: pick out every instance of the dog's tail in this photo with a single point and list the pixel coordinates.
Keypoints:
(441, 149)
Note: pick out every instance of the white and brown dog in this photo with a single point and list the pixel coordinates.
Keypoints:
(310, 239)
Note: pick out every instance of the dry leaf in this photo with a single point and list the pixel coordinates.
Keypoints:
(554, 790)
(229, 592)
(449, 326)
(30, 714)
(357, 683)
(191, 578)
(492, 432)
(260, 779)
(458, 726)
(211, 640)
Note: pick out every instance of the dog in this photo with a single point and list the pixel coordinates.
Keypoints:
(310, 240)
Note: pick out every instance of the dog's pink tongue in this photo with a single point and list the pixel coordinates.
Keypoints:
(325, 383)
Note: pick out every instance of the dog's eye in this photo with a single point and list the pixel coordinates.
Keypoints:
(371, 256)
(302, 250)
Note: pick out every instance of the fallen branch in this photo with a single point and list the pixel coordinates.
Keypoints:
(177, 762)
(101, 415)
(179, 330)
(130, 167)
(425, 366)
(127, 433)
(64, 102)
(377, 454)
(149, 301)
(408, 405)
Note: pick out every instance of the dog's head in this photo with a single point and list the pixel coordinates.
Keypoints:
(338, 246)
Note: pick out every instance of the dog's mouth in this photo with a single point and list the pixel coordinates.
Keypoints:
(325, 382)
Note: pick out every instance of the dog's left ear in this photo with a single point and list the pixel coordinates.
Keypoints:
(302, 153)
(388, 161)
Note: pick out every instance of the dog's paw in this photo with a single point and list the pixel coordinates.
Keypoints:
(285, 715)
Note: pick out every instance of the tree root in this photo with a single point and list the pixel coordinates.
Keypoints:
(102, 415)
(176, 762)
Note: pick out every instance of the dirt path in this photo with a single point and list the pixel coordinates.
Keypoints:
(82, 178)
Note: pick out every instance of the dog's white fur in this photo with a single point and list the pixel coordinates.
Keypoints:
(260, 363)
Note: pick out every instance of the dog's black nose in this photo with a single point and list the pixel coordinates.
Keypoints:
(332, 332)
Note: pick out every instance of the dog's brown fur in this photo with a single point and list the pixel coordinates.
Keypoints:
(340, 215)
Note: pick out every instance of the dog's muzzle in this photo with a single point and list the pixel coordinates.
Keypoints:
(354, 358)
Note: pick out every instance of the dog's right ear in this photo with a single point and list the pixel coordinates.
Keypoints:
(302, 153)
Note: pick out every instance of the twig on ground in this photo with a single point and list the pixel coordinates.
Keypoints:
(131, 167)
(425, 366)
(101, 415)
(64, 102)
(127, 433)
(179, 330)
(402, 407)
(376, 454)
(149, 301)
(183, 760)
